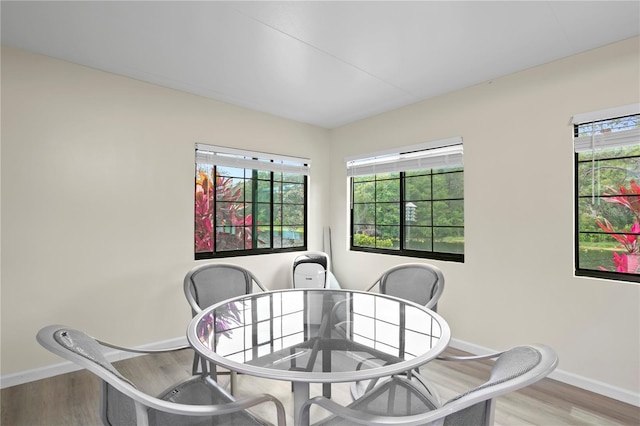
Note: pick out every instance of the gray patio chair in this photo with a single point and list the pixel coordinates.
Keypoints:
(198, 400)
(209, 284)
(403, 401)
(420, 283)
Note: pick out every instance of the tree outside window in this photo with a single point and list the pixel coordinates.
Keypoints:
(415, 213)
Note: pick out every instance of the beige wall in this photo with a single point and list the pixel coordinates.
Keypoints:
(97, 173)
(97, 216)
(516, 284)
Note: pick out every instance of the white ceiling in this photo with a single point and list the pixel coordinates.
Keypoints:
(324, 63)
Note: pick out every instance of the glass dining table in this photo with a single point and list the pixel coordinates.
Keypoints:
(318, 336)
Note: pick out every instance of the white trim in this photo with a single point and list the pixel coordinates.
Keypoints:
(607, 140)
(244, 152)
(604, 114)
(430, 155)
(51, 370)
(238, 158)
(457, 140)
(595, 386)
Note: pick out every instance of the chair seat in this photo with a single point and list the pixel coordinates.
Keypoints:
(200, 391)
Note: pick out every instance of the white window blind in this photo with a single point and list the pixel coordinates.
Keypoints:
(610, 138)
(429, 155)
(230, 157)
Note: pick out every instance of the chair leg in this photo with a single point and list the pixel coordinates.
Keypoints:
(233, 382)
(196, 361)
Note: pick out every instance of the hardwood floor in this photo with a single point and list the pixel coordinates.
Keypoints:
(72, 399)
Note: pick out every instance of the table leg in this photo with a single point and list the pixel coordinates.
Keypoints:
(326, 390)
(300, 396)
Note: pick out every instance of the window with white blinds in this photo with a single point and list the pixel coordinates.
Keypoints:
(607, 193)
(431, 155)
(409, 201)
(238, 158)
(248, 202)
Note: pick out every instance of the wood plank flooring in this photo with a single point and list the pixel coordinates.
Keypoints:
(72, 399)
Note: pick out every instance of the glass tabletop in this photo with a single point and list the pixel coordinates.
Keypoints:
(318, 335)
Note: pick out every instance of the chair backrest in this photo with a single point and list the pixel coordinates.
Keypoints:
(311, 270)
(209, 284)
(418, 282)
(513, 370)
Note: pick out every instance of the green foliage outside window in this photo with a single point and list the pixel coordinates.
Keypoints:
(410, 212)
(247, 210)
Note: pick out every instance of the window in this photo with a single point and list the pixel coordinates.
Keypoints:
(607, 191)
(248, 202)
(410, 201)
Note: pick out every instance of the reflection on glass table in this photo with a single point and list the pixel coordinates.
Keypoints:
(318, 336)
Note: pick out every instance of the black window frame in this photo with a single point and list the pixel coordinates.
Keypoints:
(402, 251)
(595, 273)
(255, 250)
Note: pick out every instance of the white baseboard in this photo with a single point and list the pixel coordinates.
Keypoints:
(582, 382)
(27, 376)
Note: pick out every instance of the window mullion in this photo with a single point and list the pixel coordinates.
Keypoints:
(403, 212)
(375, 212)
(254, 209)
(433, 228)
(214, 215)
(272, 201)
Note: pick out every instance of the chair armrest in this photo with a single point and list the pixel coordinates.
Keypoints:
(374, 284)
(257, 281)
(469, 358)
(143, 351)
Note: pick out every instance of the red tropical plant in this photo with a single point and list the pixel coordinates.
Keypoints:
(226, 318)
(233, 228)
(625, 263)
(203, 213)
(628, 241)
(630, 198)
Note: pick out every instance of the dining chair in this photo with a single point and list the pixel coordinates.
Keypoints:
(206, 285)
(420, 283)
(197, 400)
(311, 270)
(400, 400)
